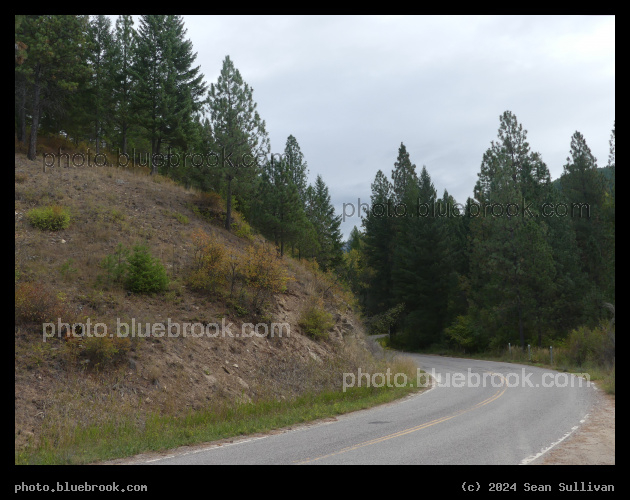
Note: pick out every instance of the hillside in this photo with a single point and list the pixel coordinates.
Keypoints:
(63, 385)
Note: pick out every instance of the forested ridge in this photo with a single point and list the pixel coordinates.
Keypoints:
(526, 260)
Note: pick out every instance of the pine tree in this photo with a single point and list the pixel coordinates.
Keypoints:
(608, 215)
(298, 167)
(421, 270)
(239, 133)
(99, 57)
(279, 211)
(321, 213)
(170, 89)
(502, 268)
(379, 238)
(53, 63)
(122, 80)
(583, 186)
(566, 306)
(20, 81)
(353, 270)
(355, 240)
(452, 218)
(403, 178)
(611, 154)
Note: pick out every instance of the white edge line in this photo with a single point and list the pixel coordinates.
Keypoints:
(545, 450)
(193, 452)
(301, 427)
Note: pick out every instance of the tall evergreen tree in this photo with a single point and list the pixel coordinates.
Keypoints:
(404, 178)
(583, 186)
(321, 213)
(355, 240)
(354, 271)
(122, 80)
(297, 165)
(609, 219)
(100, 53)
(239, 133)
(379, 244)
(567, 311)
(422, 269)
(20, 81)
(53, 64)
(169, 89)
(501, 234)
(279, 211)
(452, 217)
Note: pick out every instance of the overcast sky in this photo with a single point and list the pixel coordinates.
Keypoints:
(352, 88)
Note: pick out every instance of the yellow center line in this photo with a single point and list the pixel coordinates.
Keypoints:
(492, 398)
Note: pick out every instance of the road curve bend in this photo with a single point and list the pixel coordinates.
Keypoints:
(476, 413)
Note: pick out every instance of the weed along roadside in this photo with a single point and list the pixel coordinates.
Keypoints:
(141, 324)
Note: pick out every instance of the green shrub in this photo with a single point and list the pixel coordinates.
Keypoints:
(315, 321)
(66, 269)
(463, 334)
(182, 218)
(145, 274)
(104, 351)
(115, 266)
(590, 345)
(136, 270)
(243, 230)
(51, 218)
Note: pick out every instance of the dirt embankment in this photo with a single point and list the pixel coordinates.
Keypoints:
(59, 389)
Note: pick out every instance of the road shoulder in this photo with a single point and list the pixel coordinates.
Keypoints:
(593, 443)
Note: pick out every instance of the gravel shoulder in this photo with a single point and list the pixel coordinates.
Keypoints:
(593, 443)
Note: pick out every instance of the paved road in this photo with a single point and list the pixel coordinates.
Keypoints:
(477, 412)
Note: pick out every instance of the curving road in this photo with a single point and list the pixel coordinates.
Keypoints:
(477, 412)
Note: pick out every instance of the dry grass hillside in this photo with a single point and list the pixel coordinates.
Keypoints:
(60, 276)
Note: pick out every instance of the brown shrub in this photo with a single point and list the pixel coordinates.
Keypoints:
(264, 272)
(210, 205)
(209, 267)
(35, 303)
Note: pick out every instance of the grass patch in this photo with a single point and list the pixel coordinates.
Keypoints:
(133, 434)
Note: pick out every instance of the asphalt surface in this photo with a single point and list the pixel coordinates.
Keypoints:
(475, 413)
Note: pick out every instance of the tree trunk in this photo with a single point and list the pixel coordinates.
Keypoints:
(98, 136)
(124, 138)
(228, 205)
(521, 334)
(32, 144)
(21, 132)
